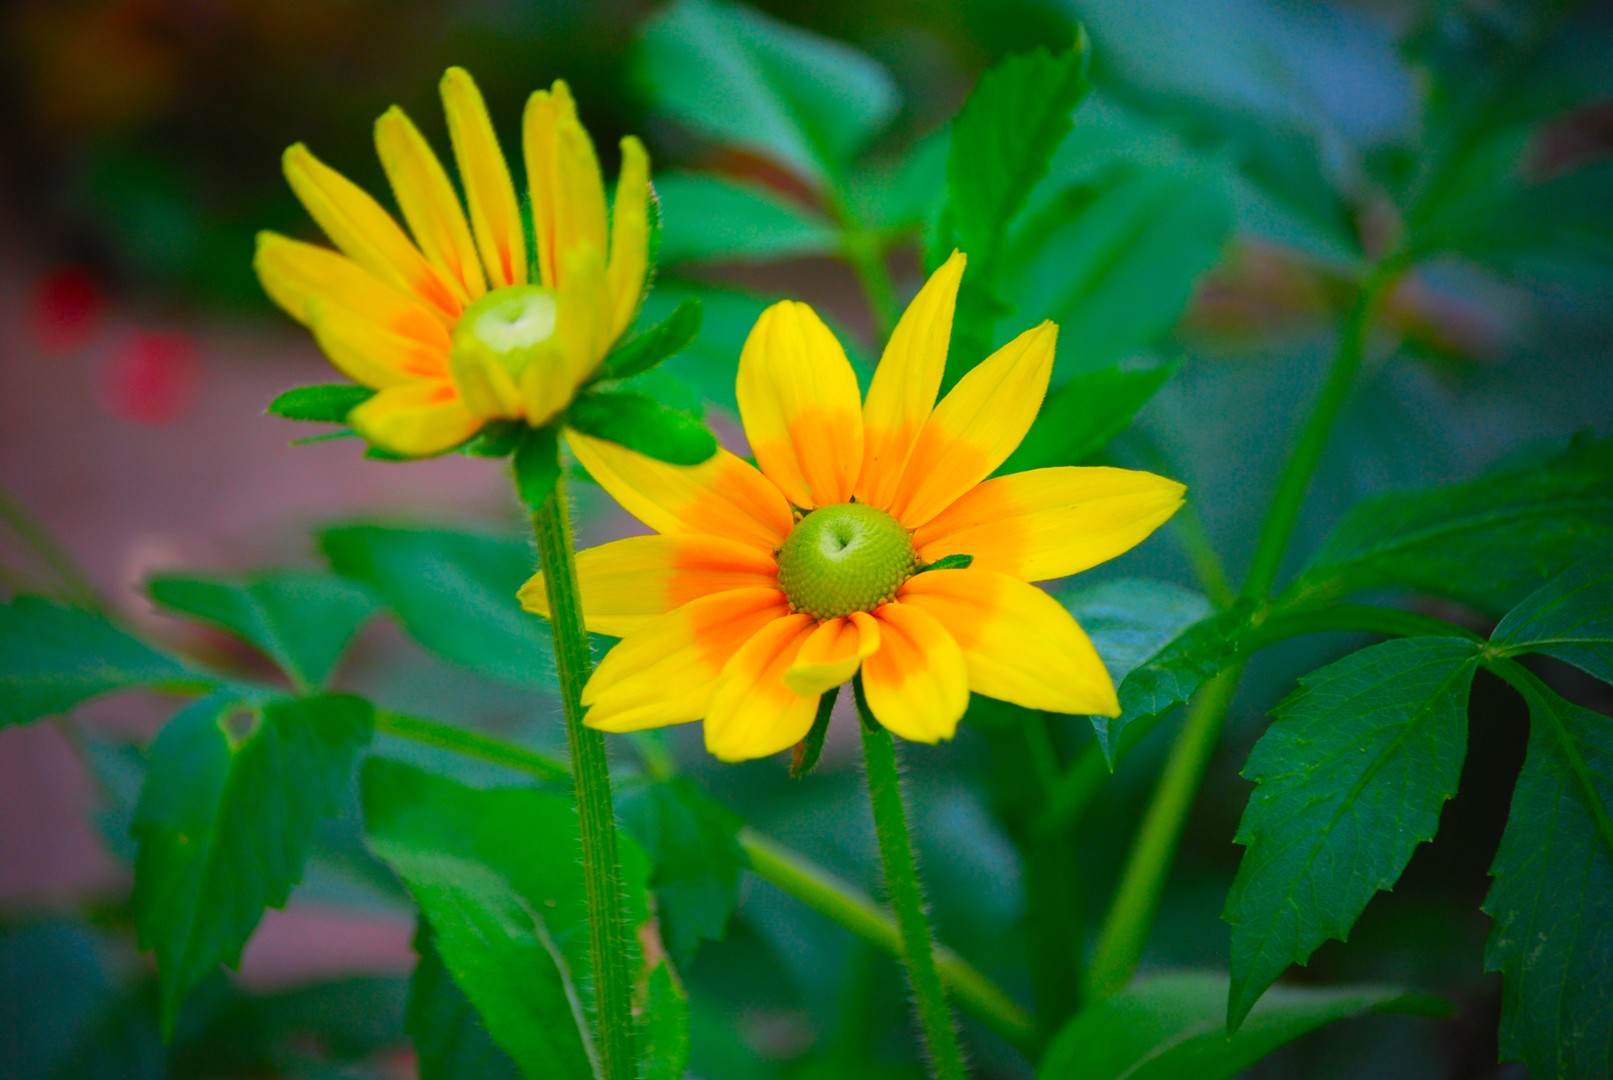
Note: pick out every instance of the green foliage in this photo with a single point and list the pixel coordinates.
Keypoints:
(650, 347)
(449, 1038)
(1486, 542)
(736, 75)
(303, 621)
(661, 1040)
(1570, 618)
(326, 403)
(1131, 621)
(804, 757)
(1552, 900)
(454, 592)
(1350, 778)
(643, 424)
(233, 795)
(52, 657)
(716, 218)
(536, 465)
(1079, 418)
(1172, 1027)
(1559, 229)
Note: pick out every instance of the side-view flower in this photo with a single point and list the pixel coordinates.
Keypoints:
(870, 538)
(473, 319)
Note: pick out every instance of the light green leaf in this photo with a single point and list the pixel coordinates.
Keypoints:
(454, 592)
(233, 796)
(327, 403)
(1350, 778)
(1172, 1027)
(1487, 542)
(52, 657)
(650, 347)
(1570, 618)
(1079, 418)
(715, 218)
(450, 1041)
(741, 77)
(1552, 900)
(303, 621)
(662, 1037)
(643, 424)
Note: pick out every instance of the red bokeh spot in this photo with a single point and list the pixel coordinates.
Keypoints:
(66, 310)
(150, 376)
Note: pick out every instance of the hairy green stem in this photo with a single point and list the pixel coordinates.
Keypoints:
(907, 900)
(590, 770)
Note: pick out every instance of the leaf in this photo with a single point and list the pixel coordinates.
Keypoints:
(1486, 542)
(226, 820)
(450, 1040)
(536, 464)
(1570, 618)
(1132, 620)
(695, 859)
(327, 403)
(496, 439)
(303, 621)
(740, 77)
(1079, 418)
(1552, 900)
(52, 657)
(454, 592)
(662, 1037)
(642, 424)
(1172, 1027)
(716, 218)
(646, 349)
(1350, 778)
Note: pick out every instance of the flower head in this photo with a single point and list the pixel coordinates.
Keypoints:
(768, 585)
(461, 320)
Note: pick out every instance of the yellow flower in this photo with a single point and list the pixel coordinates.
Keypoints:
(766, 587)
(463, 324)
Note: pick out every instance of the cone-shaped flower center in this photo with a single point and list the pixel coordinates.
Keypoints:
(844, 558)
(507, 327)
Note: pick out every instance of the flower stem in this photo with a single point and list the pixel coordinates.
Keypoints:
(591, 775)
(907, 899)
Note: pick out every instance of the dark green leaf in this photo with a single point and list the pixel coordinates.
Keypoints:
(643, 424)
(1350, 778)
(741, 77)
(948, 562)
(1487, 542)
(715, 218)
(1173, 1027)
(1552, 900)
(662, 1037)
(326, 404)
(1079, 418)
(695, 859)
(668, 337)
(1570, 617)
(498, 438)
(450, 1040)
(303, 621)
(804, 758)
(1132, 620)
(52, 657)
(537, 465)
(233, 797)
(454, 592)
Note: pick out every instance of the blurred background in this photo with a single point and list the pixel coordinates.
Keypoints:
(1232, 157)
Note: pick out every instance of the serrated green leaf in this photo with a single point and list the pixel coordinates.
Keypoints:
(454, 592)
(303, 621)
(695, 859)
(449, 1038)
(1552, 899)
(1488, 542)
(327, 403)
(233, 796)
(1079, 418)
(1350, 777)
(650, 347)
(1570, 618)
(52, 657)
(1172, 1027)
(741, 77)
(1132, 620)
(711, 217)
(644, 425)
(536, 464)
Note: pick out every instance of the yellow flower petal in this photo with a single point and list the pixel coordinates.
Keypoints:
(753, 712)
(832, 654)
(976, 426)
(364, 231)
(1049, 523)
(495, 216)
(416, 418)
(629, 583)
(666, 671)
(428, 201)
(725, 496)
(629, 235)
(800, 405)
(915, 684)
(300, 277)
(568, 192)
(904, 386)
(1018, 643)
(372, 355)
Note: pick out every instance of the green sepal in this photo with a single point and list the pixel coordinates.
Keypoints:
(324, 403)
(948, 562)
(643, 424)
(864, 713)
(646, 349)
(804, 758)
(498, 438)
(537, 465)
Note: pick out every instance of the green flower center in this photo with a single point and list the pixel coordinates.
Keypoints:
(845, 558)
(507, 327)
